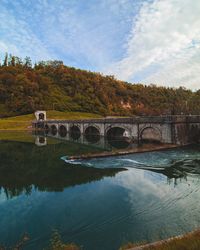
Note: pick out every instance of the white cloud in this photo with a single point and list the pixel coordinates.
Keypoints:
(17, 37)
(151, 196)
(154, 41)
(82, 34)
(165, 35)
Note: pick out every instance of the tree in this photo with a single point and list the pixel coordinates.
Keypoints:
(12, 62)
(27, 62)
(5, 63)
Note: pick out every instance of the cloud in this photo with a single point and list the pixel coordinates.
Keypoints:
(89, 35)
(16, 37)
(149, 41)
(83, 34)
(163, 45)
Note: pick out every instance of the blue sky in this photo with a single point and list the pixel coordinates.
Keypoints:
(148, 41)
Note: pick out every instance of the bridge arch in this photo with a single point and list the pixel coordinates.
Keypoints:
(74, 132)
(118, 137)
(62, 131)
(117, 132)
(41, 116)
(54, 129)
(92, 133)
(150, 134)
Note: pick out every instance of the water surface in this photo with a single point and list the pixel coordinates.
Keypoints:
(99, 204)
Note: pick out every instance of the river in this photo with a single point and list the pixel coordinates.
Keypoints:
(99, 204)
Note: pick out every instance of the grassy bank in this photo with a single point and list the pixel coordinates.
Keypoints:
(190, 241)
(23, 122)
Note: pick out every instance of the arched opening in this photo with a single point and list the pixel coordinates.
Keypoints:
(46, 129)
(115, 133)
(75, 132)
(118, 137)
(41, 116)
(92, 134)
(62, 131)
(150, 135)
(41, 140)
(53, 130)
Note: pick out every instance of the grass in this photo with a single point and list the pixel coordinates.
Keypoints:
(17, 136)
(23, 122)
(190, 241)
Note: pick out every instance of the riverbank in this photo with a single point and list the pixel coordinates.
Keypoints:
(23, 122)
(139, 149)
(189, 241)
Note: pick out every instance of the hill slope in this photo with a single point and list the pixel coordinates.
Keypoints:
(51, 85)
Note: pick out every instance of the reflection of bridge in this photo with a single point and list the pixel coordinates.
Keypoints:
(164, 129)
(99, 142)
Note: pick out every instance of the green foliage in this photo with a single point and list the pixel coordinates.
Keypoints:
(48, 85)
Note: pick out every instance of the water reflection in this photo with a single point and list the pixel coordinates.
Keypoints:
(93, 139)
(24, 167)
(96, 204)
(177, 168)
(40, 141)
(173, 169)
(174, 164)
(123, 143)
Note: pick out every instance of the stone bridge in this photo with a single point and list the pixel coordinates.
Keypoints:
(181, 129)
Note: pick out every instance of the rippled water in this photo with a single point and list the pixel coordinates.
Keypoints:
(99, 204)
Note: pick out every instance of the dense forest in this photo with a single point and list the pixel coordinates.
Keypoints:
(48, 85)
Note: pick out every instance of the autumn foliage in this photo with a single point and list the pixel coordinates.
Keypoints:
(49, 85)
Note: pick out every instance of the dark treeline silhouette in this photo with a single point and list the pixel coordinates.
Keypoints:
(25, 87)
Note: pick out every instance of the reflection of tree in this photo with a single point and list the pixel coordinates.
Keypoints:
(24, 167)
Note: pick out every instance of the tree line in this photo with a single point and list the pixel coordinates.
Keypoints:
(26, 87)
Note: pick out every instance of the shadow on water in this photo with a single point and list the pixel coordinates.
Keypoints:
(138, 202)
(175, 169)
(24, 166)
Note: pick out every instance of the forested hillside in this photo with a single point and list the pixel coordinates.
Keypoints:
(49, 85)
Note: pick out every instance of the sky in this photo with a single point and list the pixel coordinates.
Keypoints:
(139, 41)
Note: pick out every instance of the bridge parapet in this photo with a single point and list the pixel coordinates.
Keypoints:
(127, 120)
